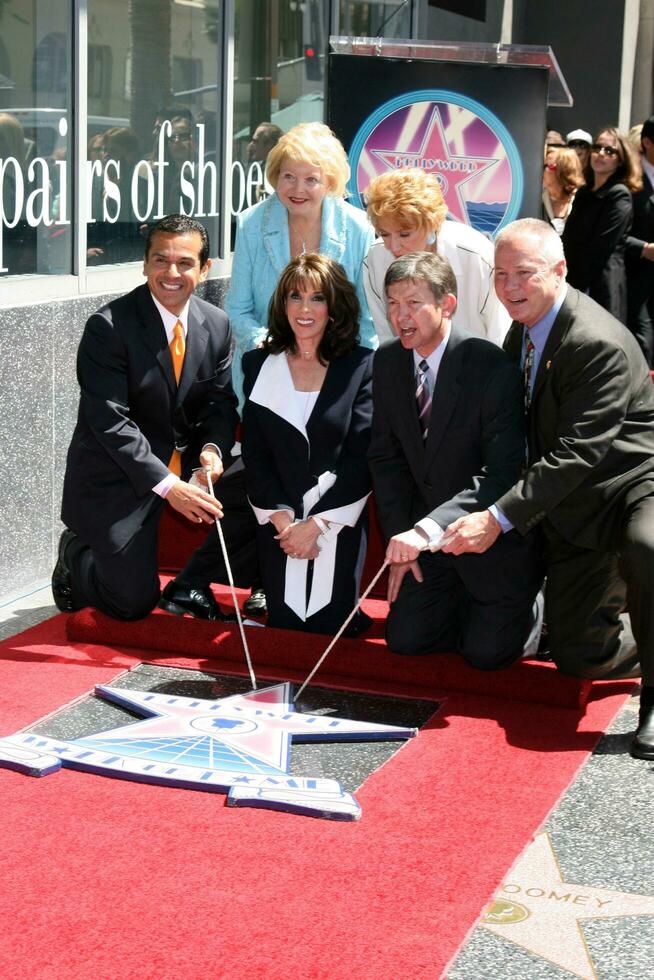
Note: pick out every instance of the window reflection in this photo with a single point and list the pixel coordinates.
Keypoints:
(152, 107)
(280, 51)
(152, 104)
(35, 179)
(280, 54)
(375, 19)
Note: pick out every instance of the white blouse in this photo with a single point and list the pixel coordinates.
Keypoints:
(306, 401)
(471, 256)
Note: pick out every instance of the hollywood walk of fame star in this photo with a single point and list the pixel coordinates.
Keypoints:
(539, 911)
(257, 727)
(239, 743)
(434, 156)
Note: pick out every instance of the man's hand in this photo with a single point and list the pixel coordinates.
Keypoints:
(474, 533)
(194, 503)
(396, 575)
(299, 540)
(648, 252)
(402, 552)
(405, 547)
(212, 465)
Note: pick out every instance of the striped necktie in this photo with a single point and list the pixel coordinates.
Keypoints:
(177, 349)
(527, 370)
(423, 395)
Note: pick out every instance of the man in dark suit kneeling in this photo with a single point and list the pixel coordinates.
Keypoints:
(590, 480)
(448, 437)
(156, 400)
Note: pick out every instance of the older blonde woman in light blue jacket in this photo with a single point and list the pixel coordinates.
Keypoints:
(307, 213)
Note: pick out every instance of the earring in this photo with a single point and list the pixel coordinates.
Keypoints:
(431, 238)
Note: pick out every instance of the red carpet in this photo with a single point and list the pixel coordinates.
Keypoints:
(110, 879)
(364, 664)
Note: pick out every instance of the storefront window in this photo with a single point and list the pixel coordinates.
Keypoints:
(35, 137)
(281, 48)
(280, 51)
(153, 101)
(375, 18)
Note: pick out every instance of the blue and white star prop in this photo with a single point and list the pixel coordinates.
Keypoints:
(240, 745)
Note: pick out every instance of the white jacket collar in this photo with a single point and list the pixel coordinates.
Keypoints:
(275, 391)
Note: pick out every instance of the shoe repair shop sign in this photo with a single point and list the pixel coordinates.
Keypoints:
(37, 193)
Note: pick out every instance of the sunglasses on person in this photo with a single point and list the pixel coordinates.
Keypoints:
(579, 145)
(609, 151)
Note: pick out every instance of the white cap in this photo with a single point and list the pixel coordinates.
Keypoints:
(579, 134)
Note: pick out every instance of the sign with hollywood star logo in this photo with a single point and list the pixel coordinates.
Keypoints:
(456, 138)
(239, 744)
(478, 127)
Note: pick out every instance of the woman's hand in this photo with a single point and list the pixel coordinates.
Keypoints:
(280, 520)
(299, 540)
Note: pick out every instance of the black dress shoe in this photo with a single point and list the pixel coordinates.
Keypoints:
(358, 625)
(255, 604)
(642, 746)
(62, 586)
(180, 599)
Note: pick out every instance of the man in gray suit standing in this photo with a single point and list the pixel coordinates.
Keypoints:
(589, 483)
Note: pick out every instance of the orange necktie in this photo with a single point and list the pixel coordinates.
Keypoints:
(177, 350)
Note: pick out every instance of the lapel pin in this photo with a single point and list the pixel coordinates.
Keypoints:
(548, 365)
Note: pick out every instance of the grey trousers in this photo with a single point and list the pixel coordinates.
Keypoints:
(586, 592)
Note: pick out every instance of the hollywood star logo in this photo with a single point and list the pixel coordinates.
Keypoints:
(240, 745)
(456, 138)
(435, 157)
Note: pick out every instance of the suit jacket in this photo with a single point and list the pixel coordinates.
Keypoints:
(476, 439)
(594, 240)
(132, 413)
(642, 232)
(284, 459)
(262, 252)
(642, 228)
(590, 428)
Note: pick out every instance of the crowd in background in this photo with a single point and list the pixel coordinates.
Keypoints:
(598, 194)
